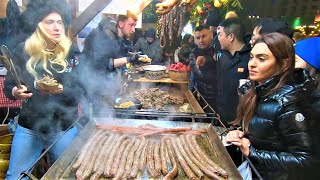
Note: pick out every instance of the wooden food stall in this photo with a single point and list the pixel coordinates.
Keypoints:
(160, 121)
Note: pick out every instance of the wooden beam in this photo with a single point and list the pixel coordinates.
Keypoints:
(87, 15)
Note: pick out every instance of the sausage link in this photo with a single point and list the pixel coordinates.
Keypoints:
(106, 154)
(89, 169)
(157, 159)
(150, 160)
(205, 157)
(190, 163)
(143, 157)
(84, 150)
(135, 167)
(117, 159)
(107, 170)
(103, 153)
(164, 157)
(181, 160)
(88, 156)
(173, 173)
(210, 172)
(131, 157)
(123, 161)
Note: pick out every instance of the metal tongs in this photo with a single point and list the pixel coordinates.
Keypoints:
(8, 64)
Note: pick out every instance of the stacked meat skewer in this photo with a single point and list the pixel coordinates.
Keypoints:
(122, 155)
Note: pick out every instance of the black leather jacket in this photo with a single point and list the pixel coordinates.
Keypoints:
(282, 143)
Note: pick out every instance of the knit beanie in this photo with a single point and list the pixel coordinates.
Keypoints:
(309, 51)
(37, 10)
(151, 33)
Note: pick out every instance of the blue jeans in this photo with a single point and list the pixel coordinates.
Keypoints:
(27, 147)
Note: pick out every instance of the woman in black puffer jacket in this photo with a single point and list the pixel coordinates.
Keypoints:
(275, 113)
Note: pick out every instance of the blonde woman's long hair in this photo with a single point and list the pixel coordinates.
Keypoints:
(36, 45)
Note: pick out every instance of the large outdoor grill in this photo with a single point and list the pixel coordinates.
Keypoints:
(208, 141)
(173, 109)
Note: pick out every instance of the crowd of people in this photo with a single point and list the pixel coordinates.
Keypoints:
(272, 115)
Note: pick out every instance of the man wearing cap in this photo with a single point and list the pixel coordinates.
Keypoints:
(150, 46)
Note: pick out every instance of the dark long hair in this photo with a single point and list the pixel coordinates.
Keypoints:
(282, 48)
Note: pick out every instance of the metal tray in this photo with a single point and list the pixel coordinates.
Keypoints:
(61, 169)
(175, 90)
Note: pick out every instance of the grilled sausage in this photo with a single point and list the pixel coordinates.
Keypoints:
(107, 170)
(117, 159)
(130, 159)
(124, 157)
(105, 156)
(181, 160)
(84, 150)
(205, 157)
(88, 156)
(150, 160)
(173, 173)
(135, 166)
(157, 159)
(143, 157)
(210, 172)
(89, 169)
(190, 163)
(164, 157)
(104, 152)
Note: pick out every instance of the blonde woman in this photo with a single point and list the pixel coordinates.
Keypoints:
(46, 113)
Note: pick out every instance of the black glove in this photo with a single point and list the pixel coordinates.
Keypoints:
(132, 57)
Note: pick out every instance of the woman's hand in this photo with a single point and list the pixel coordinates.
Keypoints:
(237, 138)
(21, 93)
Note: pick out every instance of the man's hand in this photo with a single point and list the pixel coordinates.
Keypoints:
(21, 93)
(201, 60)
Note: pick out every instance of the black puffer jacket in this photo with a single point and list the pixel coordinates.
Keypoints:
(282, 145)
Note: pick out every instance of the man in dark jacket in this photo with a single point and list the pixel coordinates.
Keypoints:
(105, 51)
(203, 65)
(150, 46)
(232, 66)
